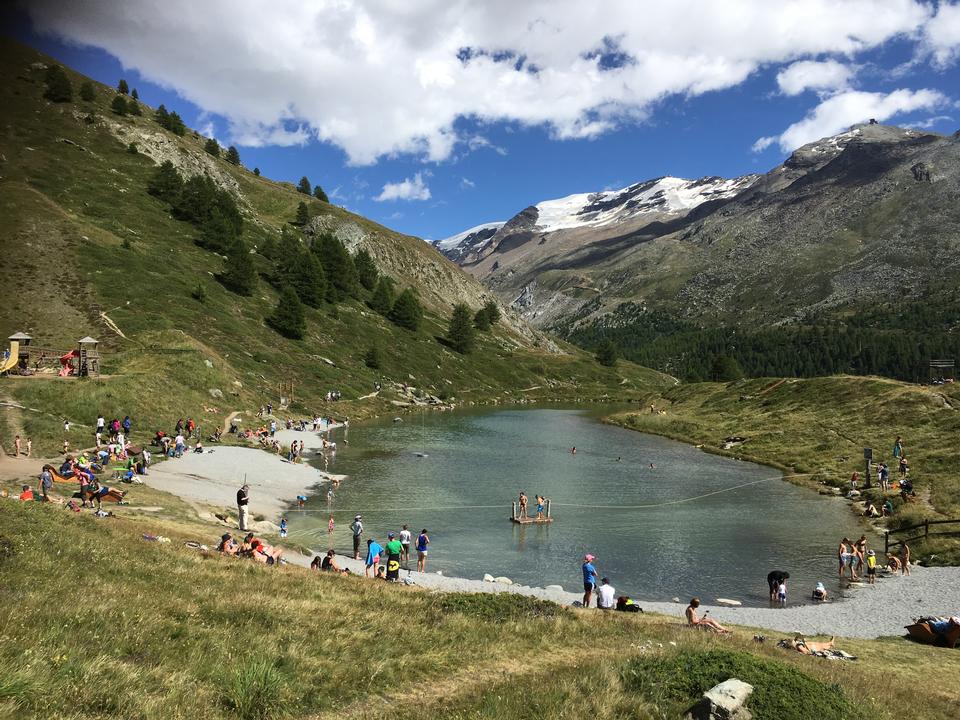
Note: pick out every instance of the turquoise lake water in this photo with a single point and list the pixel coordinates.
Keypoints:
(693, 524)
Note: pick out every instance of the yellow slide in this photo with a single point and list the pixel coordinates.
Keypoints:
(11, 362)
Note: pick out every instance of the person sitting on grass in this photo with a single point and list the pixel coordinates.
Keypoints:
(871, 511)
(702, 623)
(255, 548)
(327, 563)
(807, 648)
(228, 546)
(26, 493)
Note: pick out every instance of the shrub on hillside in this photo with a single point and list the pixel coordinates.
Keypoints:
(212, 147)
(607, 354)
(87, 93)
(498, 607)
(59, 88)
(780, 690)
(371, 358)
(487, 316)
(119, 105)
(233, 155)
(320, 195)
(304, 185)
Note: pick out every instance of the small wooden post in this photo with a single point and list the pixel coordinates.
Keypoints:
(513, 510)
(548, 507)
(886, 542)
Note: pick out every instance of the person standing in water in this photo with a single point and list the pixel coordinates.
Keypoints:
(589, 578)
(405, 537)
(423, 543)
(356, 527)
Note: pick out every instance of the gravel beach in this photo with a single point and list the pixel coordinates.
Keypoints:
(864, 611)
(213, 477)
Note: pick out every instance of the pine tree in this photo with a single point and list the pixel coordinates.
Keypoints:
(607, 354)
(382, 299)
(319, 194)
(300, 268)
(337, 266)
(303, 215)
(371, 358)
(59, 88)
(366, 269)
(256, 171)
(134, 94)
(122, 87)
(166, 182)
(233, 155)
(406, 311)
(162, 117)
(304, 185)
(460, 332)
(175, 125)
(119, 105)
(87, 93)
(727, 369)
(212, 147)
(133, 107)
(239, 274)
(487, 316)
(289, 318)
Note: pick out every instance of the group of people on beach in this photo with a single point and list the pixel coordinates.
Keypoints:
(250, 547)
(396, 552)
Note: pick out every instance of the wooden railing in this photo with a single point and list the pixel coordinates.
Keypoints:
(925, 526)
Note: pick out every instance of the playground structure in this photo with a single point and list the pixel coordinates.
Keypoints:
(25, 358)
(941, 371)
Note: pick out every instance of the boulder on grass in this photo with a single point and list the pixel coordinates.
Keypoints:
(726, 701)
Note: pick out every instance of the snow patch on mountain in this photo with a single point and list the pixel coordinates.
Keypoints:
(455, 240)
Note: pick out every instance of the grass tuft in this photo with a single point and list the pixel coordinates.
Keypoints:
(255, 691)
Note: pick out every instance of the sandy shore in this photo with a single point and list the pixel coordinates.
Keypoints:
(213, 477)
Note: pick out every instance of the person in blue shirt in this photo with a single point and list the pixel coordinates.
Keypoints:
(423, 543)
(373, 557)
(589, 579)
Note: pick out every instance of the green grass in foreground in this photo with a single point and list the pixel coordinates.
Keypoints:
(821, 425)
(97, 623)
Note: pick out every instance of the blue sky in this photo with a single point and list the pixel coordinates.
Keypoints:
(397, 127)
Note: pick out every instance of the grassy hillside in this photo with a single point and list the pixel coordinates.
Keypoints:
(99, 623)
(80, 236)
(820, 426)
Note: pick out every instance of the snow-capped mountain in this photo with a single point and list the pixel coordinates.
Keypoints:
(652, 199)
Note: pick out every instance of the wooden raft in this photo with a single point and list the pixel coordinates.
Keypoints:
(530, 519)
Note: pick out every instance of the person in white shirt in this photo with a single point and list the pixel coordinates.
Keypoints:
(606, 595)
(405, 538)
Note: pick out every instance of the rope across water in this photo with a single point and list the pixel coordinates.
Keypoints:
(501, 506)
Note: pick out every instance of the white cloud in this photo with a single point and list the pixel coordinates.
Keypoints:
(929, 122)
(383, 77)
(409, 189)
(942, 34)
(822, 76)
(763, 143)
(839, 112)
(467, 184)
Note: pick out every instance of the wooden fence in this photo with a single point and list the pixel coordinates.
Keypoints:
(924, 526)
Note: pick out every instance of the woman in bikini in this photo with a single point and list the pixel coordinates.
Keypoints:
(807, 648)
(705, 623)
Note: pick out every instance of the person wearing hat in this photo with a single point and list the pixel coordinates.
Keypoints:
(589, 579)
(243, 506)
(394, 550)
(871, 567)
(356, 527)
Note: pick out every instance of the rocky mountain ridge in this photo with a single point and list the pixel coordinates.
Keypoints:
(838, 223)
